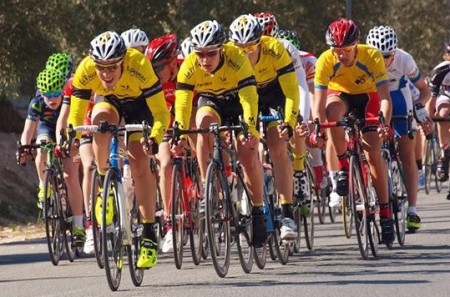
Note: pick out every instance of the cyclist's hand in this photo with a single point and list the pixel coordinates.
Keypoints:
(285, 131)
(151, 147)
(302, 130)
(251, 142)
(317, 141)
(21, 156)
(385, 133)
(178, 147)
(427, 127)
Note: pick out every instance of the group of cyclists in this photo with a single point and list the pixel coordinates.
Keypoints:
(215, 76)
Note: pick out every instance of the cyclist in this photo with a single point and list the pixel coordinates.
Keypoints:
(163, 54)
(402, 68)
(351, 76)
(309, 65)
(440, 102)
(224, 79)
(43, 112)
(185, 48)
(135, 38)
(301, 185)
(125, 86)
(277, 86)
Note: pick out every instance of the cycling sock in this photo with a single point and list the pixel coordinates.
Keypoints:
(41, 183)
(385, 210)
(149, 232)
(419, 164)
(78, 221)
(286, 210)
(411, 209)
(343, 161)
(298, 163)
(333, 178)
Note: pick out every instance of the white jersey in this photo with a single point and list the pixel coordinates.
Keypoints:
(309, 64)
(305, 106)
(402, 69)
(415, 93)
(440, 79)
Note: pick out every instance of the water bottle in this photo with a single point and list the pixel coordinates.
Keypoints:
(127, 183)
(232, 183)
(268, 178)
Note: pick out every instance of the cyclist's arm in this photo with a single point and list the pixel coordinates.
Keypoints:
(289, 85)
(28, 131)
(424, 91)
(157, 105)
(183, 107)
(61, 123)
(385, 101)
(79, 103)
(319, 104)
(248, 97)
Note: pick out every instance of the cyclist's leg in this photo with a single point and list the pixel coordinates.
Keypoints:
(443, 109)
(45, 133)
(87, 159)
(335, 110)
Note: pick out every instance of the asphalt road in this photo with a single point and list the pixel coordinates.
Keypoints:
(334, 268)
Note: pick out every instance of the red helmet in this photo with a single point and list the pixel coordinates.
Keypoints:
(342, 33)
(162, 48)
(268, 23)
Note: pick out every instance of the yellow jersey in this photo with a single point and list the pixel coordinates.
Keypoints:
(274, 66)
(138, 80)
(367, 72)
(233, 78)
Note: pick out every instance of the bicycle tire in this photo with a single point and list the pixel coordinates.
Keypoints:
(308, 213)
(196, 233)
(112, 234)
(52, 215)
(298, 219)
(322, 205)
(217, 219)
(243, 223)
(281, 247)
(347, 216)
(96, 234)
(178, 215)
(400, 214)
(358, 200)
(137, 275)
(436, 153)
(427, 165)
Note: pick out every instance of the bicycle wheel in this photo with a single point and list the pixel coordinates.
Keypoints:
(96, 234)
(241, 213)
(53, 214)
(435, 154)
(137, 275)
(307, 211)
(322, 205)
(374, 234)
(358, 199)
(112, 234)
(178, 212)
(298, 219)
(347, 216)
(197, 230)
(217, 220)
(400, 210)
(428, 165)
(281, 247)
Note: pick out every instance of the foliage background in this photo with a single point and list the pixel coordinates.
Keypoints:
(31, 30)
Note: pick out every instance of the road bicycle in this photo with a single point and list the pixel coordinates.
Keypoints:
(185, 214)
(56, 208)
(122, 235)
(431, 157)
(228, 213)
(361, 202)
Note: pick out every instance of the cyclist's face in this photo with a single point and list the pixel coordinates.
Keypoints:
(109, 74)
(166, 71)
(54, 102)
(208, 59)
(346, 55)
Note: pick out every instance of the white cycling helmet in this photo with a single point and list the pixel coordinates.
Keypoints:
(185, 47)
(245, 29)
(107, 46)
(206, 34)
(383, 38)
(134, 37)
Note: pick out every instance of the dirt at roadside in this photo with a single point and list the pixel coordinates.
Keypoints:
(21, 233)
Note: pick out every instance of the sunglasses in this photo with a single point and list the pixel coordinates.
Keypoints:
(209, 54)
(249, 48)
(387, 56)
(50, 95)
(343, 50)
(108, 68)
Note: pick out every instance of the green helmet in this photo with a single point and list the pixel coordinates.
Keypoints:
(290, 36)
(61, 62)
(50, 81)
